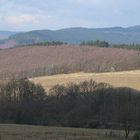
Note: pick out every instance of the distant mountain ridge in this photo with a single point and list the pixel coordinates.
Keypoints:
(113, 35)
(6, 34)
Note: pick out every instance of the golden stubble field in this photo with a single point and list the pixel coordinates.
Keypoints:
(117, 79)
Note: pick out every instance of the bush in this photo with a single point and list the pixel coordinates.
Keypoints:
(97, 43)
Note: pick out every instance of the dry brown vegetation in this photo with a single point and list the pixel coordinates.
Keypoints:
(33, 61)
(129, 79)
(8, 44)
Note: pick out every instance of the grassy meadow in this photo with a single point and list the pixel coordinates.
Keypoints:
(25, 132)
(129, 79)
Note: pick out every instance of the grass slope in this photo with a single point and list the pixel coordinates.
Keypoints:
(118, 79)
(25, 132)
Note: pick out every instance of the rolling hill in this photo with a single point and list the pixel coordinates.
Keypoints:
(116, 35)
(6, 34)
(113, 35)
(4, 41)
(47, 60)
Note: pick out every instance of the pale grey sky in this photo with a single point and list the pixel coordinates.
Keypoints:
(24, 15)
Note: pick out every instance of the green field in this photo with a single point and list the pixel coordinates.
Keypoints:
(25, 132)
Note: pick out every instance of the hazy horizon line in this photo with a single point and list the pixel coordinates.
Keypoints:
(69, 27)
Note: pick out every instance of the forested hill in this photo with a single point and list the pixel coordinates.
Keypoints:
(114, 35)
(34, 61)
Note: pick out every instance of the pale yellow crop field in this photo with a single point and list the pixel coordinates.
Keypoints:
(117, 79)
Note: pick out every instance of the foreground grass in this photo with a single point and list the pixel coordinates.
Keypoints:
(25, 132)
(129, 79)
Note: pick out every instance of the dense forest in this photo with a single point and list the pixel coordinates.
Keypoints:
(87, 104)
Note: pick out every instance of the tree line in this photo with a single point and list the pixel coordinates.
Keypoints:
(87, 104)
(127, 46)
(105, 44)
(97, 43)
(43, 43)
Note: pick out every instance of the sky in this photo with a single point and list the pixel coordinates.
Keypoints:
(25, 15)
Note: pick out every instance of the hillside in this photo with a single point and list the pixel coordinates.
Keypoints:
(129, 79)
(40, 60)
(6, 34)
(113, 35)
(4, 41)
(116, 35)
(4, 44)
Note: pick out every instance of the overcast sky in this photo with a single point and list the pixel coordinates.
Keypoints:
(24, 15)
